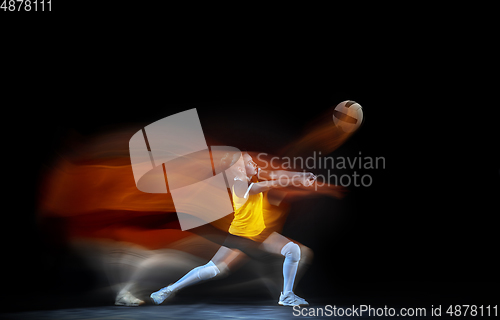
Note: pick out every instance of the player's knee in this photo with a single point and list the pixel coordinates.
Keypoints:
(208, 271)
(291, 250)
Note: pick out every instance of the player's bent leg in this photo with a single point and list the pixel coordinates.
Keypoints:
(277, 243)
(292, 254)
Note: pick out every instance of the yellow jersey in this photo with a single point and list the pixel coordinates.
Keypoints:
(248, 219)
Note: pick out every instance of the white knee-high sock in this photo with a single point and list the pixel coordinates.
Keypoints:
(196, 275)
(291, 251)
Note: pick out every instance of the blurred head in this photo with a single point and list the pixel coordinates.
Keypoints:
(244, 165)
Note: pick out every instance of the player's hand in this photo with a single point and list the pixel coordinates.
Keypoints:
(308, 179)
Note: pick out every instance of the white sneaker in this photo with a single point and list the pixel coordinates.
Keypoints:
(125, 298)
(161, 295)
(291, 299)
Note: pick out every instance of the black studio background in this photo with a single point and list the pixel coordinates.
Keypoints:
(423, 228)
(422, 233)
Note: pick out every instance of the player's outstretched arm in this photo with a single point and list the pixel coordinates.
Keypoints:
(297, 179)
(319, 187)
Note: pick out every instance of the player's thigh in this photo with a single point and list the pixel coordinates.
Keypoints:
(274, 243)
(227, 258)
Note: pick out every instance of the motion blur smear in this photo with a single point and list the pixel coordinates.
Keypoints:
(88, 201)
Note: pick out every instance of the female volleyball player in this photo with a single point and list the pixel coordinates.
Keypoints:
(247, 225)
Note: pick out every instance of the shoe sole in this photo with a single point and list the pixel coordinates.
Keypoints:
(154, 302)
(292, 305)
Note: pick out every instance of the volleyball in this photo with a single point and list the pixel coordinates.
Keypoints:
(348, 116)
